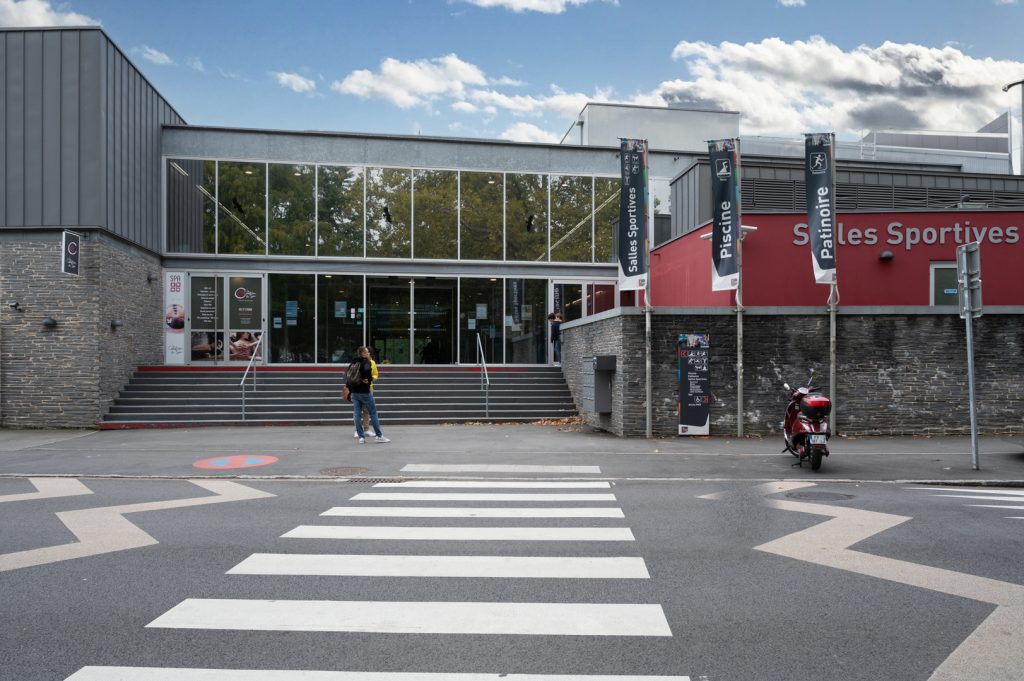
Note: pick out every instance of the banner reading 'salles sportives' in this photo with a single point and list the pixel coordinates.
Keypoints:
(819, 176)
(633, 216)
(724, 158)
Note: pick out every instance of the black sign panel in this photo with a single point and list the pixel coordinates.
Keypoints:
(694, 384)
(245, 304)
(819, 176)
(205, 303)
(633, 215)
(71, 246)
(724, 159)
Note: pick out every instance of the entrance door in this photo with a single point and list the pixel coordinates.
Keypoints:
(206, 319)
(388, 319)
(245, 305)
(227, 320)
(411, 321)
(433, 317)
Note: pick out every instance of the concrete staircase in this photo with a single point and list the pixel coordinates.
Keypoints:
(158, 397)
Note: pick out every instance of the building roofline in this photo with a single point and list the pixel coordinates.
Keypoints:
(658, 108)
(100, 29)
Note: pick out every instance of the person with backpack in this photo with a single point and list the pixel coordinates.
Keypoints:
(359, 380)
(364, 412)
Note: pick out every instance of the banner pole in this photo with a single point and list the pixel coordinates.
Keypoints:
(739, 335)
(647, 298)
(833, 300)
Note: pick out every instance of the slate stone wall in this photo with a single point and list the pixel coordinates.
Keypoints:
(897, 374)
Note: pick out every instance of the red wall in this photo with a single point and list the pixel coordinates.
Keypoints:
(777, 271)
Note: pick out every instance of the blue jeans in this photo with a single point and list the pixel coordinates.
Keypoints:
(558, 350)
(365, 401)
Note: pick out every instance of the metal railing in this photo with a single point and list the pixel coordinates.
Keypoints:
(252, 366)
(485, 378)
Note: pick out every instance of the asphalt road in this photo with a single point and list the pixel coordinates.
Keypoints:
(747, 580)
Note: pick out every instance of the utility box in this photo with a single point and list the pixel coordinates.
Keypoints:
(596, 387)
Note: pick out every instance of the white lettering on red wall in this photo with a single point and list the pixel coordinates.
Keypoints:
(897, 234)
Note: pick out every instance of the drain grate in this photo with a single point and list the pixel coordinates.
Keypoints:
(344, 472)
(819, 496)
(376, 479)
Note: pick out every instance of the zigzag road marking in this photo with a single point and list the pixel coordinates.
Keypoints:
(49, 488)
(105, 530)
(994, 651)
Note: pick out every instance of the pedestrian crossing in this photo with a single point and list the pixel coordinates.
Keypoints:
(984, 494)
(424, 500)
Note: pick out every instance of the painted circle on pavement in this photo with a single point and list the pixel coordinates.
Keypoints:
(236, 461)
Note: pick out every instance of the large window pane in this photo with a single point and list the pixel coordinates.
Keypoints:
(191, 206)
(340, 318)
(482, 235)
(571, 209)
(387, 319)
(480, 313)
(526, 217)
(292, 210)
(433, 320)
(388, 212)
(242, 197)
(292, 317)
(606, 217)
(526, 321)
(340, 199)
(435, 211)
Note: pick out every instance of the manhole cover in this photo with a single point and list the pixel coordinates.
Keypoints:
(344, 472)
(819, 496)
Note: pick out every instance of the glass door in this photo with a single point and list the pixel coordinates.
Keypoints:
(389, 330)
(206, 319)
(526, 323)
(481, 302)
(245, 305)
(433, 317)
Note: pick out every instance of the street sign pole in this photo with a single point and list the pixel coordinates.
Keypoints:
(968, 265)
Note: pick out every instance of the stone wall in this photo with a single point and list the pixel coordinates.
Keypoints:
(896, 373)
(67, 376)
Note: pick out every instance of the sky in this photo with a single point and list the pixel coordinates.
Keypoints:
(523, 69)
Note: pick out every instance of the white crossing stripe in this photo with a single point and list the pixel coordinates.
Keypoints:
(180, 674)
(496, 468)
(473, 496)
(496, 484)
(412, 617)
(973, 490)
(1015, 508)
(461, 533)
(980, 498)
(472, 512)
(510, 567)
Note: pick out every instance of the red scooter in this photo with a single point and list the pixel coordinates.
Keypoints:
(806, 429)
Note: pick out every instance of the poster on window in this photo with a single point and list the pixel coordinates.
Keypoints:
(174, 318)
(694, 384)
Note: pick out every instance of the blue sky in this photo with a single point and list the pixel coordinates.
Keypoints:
(522, 69)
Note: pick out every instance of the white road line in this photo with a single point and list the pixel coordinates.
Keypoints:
(472, 512)
(105, 530)
(411, 617)
(180, 674)
(495, 468)
(1016, 508)
(976, 497)
(471, 496)
(506, 567)
(462, 533)
(496, 484)
(973, 490)
(49, 488)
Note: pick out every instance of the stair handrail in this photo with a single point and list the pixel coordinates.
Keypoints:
(485, 378)
(250, 365)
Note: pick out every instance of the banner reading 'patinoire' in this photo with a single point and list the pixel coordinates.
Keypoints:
(633, 216)
(724, 157)
(819, 175)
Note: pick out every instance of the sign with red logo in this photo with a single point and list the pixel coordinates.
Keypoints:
(71, 243)
(246, 304)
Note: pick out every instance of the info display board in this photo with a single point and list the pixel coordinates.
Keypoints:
(694, 384)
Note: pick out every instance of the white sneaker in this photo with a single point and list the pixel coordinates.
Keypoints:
(381, 438)
(362, 440)
(355, 434)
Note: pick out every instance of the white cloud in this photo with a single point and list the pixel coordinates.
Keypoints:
(506, 81)
(542, 6)
(1005, 2)
(27, 13)
(408, 84)
(785, 88)
(527, 132)
(465, 107)
(793, 3)
(154, 55)
(196, 64)
(294, 81)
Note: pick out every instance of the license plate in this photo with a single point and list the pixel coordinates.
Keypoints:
(818, 439)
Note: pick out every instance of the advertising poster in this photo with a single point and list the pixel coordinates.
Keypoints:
(71, 244)
(819, 176)
(515, 300)
(694, 384)
(174, 318)
(633, 216)
(245, 304)
(724, 160)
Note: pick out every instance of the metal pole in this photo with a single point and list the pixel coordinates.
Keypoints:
(969, 318)
(739, 335)
(647, 344)
(833, 296)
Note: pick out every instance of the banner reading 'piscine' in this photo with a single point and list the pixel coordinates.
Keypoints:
(724, 157)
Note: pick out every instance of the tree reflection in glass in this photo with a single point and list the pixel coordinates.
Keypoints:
(526, 217)
(340, 206)
(435, 211)
(388, 212)
(606, 217)
(242, 199)
(571, 210)
(482, 234)
(292, 210)
(191, 206)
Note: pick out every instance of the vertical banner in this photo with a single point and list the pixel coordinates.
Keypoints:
(820, 178)
(174, 318)
(71, 244)
(694, 384)
(515, 302)
(724, 158)
(632, 235)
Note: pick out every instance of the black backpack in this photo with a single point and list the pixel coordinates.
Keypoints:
(354, 373)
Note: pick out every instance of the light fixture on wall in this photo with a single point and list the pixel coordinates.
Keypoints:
(116, 324)
(15, 305)
(150, 277)
(49, 323)
(886, 256)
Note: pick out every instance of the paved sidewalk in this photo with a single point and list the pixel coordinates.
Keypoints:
(332, 452)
